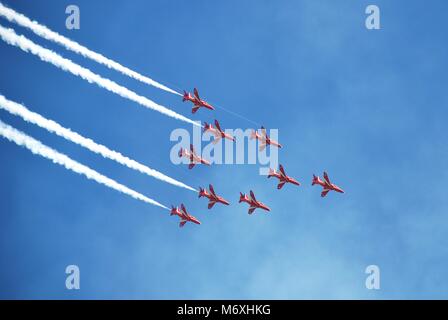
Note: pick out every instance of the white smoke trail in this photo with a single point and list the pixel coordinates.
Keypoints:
(10, 37)
(71, 45)
(38, 148)
(54, 127)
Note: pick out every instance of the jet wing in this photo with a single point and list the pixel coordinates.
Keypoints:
(282, 171)
(196, 93)
(217, 125)
(211, 204)
(212, 190)
(182, 207)
(281, 184)
(262, 146)
(195, 108)
(182, 223)
(192, 150)
(191, 165)
(263, 132)
(252, 196)
(217, 138)
(326, 178)
(324, 193)
(251, 210)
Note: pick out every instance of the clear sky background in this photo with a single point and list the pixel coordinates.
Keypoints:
(367, 106)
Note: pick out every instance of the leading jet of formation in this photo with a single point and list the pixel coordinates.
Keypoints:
(282, 177)
(326, 185)
(197, 101)
(183, 215)
(253, 202)
(192, 156)
(212, 196)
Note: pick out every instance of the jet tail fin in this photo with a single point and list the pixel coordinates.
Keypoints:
(315, 180)
(201, 192)
(271, 173)
(185, 96)
(242, 197)
(207, 126)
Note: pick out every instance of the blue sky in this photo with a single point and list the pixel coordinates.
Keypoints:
(367, 106)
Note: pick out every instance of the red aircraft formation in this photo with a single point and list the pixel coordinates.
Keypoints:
(264, 141)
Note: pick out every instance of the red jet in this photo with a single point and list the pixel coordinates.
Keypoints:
(264, 139)
(183, 215)
(282, 177)
(197, 102)
(194, 158)
(212, 196)
(253, 202)
(217, 132)
(326, 184)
